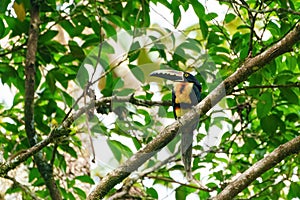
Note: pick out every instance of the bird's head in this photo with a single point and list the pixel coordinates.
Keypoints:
(177, 76)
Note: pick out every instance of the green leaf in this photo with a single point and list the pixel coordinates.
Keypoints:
(183, 191)
(61, 77)
(289, 95)
(284, 77)
(203, 28)
(146, 16)
(167, 97)
(82, 77)
(229, 17)
(139, 74)
(291, 62)
(176, 13)
(270, 123)
(134, 54)
(17, 27)
(51, 107)
(119, 149)
(213, 39)
(67, 25)
(191, 45)
(264, 105)
(91, 40)
(145, 114)
(76, 50)
(152, 193)
(124, 91)
(198, 8)
(118, 21)
(211, 16)
(250, 144)
(3, 5)
(70, 196)
(2, 28)
(66, 59)
(79, 192)
(70, 183)
(180, 193)
(107, 48)
(50, 80)
(294, 191)
(173, 145)
(136, 143)
(85, 179)
(292, 117)
(67, 98)
(273, 28)
(10, 127)
(205, 195)
(69, 150)
(231, 102)
(33, 174)
(38, 182)
(46, 37)
(109, 29)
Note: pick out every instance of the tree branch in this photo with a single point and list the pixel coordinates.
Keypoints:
(236, 186)
(44, 168)
(130, 181)
(107, 101)
(249, 66)
(297, 84)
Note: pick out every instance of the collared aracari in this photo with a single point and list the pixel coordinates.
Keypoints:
(185, 94)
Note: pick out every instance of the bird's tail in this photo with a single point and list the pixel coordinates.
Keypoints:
(186, 153)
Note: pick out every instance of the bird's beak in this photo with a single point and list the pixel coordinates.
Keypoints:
(172, 75)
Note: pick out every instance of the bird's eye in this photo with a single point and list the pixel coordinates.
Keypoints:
(186, 75)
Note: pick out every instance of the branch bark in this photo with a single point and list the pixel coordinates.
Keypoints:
(290, 85)
(44, 168)
(245, 179)
(250, 66)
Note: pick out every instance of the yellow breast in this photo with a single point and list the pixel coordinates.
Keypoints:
(182, 92)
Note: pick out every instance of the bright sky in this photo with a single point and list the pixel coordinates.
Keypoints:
(159, 14)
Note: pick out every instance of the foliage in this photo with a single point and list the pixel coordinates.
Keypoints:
(261, 113)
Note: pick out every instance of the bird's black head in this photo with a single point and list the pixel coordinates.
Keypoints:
(190, 78)
(178, 76)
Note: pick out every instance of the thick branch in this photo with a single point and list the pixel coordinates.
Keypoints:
(259, 168)
(44, 168)
(30, 74)
(250, 66)
(290, 85)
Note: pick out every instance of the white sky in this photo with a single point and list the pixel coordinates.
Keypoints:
(161, 15)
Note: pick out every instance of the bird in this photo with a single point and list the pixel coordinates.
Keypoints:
(186, 93)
